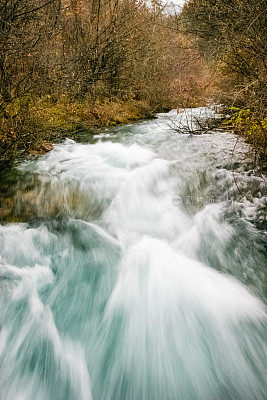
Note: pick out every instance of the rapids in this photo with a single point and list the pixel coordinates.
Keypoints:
(138, 269)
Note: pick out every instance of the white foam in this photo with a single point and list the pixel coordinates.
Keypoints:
(144, 204)
(153, 272)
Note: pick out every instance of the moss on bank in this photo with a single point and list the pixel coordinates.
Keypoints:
(28, 125)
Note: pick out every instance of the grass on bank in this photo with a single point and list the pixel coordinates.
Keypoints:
(28, 124)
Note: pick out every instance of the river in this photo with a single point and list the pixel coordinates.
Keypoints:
(134, 268)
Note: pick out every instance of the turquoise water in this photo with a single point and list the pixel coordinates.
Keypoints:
(138, 272)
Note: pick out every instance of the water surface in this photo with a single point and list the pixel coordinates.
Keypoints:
(135, 269)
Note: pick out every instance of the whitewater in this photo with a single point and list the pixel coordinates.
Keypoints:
(138, 271)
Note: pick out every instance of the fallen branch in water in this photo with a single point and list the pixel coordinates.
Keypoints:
(188, 124)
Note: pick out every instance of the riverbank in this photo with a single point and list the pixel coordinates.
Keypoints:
(46, 120)
(250, 124)
(31, 124)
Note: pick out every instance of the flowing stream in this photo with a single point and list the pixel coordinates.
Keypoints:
(133, 268)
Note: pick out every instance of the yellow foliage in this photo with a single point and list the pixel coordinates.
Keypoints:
(248, 123)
